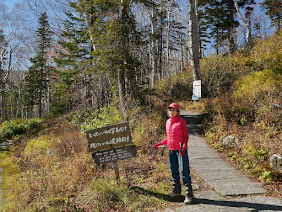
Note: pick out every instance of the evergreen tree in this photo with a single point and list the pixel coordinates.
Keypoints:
(73, 57)
(204, 26)
(113, 27)
(98, 54)
(274, 11)
(220, 17)
(37, 75)
(216, 16)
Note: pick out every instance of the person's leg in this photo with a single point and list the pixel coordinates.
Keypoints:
(173, 165)
(186, 177)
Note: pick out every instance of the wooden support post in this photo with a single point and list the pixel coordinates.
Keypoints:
(116, 169)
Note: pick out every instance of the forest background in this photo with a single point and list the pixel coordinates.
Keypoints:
(67, 67)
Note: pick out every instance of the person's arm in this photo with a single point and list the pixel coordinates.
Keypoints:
(160, 144)
(185, 137)
(164, 141)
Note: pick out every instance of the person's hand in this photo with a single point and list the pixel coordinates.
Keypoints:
(184, 148)
(156, 146)
(182, 153)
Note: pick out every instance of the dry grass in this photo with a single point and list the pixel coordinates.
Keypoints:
(50, 169)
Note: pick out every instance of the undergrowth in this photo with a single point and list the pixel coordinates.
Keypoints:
(251, 111)
(55, 172)
(10, 129)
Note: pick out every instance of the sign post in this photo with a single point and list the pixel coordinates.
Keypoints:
(196, 90)
(110, 144)
(116, 170)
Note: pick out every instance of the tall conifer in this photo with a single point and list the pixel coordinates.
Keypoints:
(274, 11)
(114, 35)
(220, 16)
(73, 57)
(37, 75)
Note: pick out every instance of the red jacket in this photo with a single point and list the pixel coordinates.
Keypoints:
(177, 132)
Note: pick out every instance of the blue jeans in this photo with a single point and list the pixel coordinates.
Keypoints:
(175, 163)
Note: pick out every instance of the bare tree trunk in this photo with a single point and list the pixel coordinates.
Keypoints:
(154, 49)
(121, 88)
(40, 103)
(87, 19)
(182, 55)
(6, 68)
(20, 104)
(160, 56)
(194, 39)
(11, 101)
(48, 99)
(278, 21)
(168, 33)
(124, 43)
(232, 28)
(2, 98)
(247, 25)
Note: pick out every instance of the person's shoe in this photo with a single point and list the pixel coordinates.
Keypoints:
(176, 190)
(189, 197)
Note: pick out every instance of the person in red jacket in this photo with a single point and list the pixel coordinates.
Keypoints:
(177, 140)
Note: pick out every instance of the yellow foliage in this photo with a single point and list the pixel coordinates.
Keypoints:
(9, 180)
(268, 53)
(38, 145)
(147, 130)
(7, 163)
(42, 174)
(257, 84)
(240, 59)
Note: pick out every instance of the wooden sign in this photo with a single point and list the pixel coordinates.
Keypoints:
(110, 144)
(109, 137)
(115, 154)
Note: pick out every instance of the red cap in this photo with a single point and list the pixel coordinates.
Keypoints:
(173, 105)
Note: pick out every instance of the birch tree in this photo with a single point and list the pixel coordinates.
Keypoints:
(245, 23)
(8, 46)
(193, 40)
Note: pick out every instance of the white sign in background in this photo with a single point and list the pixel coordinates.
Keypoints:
(196, 90)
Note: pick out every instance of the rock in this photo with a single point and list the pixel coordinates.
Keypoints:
(229, 141)
(276, 163)
(14, 142)
(195, 187)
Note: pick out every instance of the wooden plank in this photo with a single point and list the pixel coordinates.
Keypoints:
(114, 154)
(108, 137)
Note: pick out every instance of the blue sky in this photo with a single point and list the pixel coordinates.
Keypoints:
(10, 3)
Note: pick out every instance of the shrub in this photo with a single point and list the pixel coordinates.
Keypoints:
(107, 115)
(103, 195)
(260, 92)
(47, 171)
(266, 176)
(218, 74)
(267, 54)
(253, 98)
(11, 128)
(40, 145)
(178, 87)
(147, 130)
